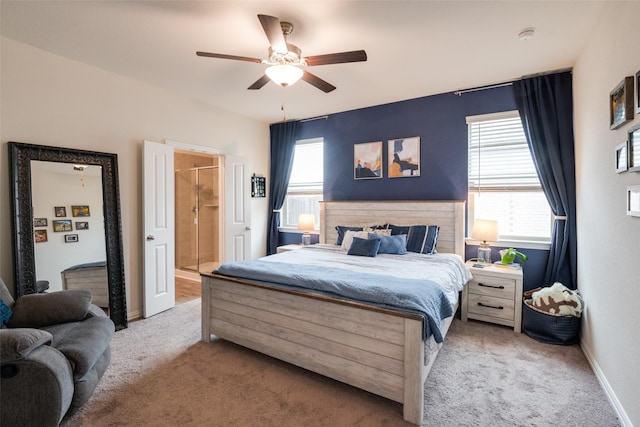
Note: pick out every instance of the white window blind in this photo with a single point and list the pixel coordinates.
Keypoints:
(305, 184)
(499, 157)
(503, 183)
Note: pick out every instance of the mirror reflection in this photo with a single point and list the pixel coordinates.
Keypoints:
(70, 250)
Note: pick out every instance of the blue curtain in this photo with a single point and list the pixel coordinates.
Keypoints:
(546, 108)
(283, 144)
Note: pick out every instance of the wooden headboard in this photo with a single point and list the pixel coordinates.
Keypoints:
(449, 215)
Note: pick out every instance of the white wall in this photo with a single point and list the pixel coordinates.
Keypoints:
(50, 100)
(608, 240)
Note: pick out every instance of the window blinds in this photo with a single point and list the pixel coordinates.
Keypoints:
(499, 157)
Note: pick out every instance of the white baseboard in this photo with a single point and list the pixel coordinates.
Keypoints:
(611, 395)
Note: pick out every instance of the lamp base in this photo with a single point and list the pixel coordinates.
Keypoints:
(484, 254)
(306, 239)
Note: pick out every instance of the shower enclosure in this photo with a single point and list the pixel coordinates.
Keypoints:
(197, 219)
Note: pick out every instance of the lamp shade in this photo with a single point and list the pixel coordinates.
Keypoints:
(284, 75)
(485, 229)
(306, 222)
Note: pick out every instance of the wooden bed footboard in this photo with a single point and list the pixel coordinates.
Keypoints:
(377, 350)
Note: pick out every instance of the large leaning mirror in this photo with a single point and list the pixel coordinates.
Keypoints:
(66, 224)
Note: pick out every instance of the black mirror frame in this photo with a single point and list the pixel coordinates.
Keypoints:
(20, 156)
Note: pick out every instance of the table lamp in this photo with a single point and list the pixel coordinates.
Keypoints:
(306, 222)
(485, 229)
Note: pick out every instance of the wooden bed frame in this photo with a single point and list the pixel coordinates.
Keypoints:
(374, 349)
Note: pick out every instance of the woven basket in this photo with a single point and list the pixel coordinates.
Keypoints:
(543, 327)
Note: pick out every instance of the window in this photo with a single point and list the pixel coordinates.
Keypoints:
(503, 183)
(305, 185)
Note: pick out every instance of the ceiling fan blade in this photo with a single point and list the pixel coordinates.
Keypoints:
(337, 58)
(260, 82)
(317, 82)
(223, 56)
(273, 30)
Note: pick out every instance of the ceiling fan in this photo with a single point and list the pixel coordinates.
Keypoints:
(285, 60)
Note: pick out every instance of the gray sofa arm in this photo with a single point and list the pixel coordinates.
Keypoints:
(41, 381)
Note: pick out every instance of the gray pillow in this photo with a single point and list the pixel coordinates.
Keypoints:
(364, 247)
(16, 344)
(38, 310)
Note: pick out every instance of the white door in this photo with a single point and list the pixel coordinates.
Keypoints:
(237, 209)
(159, 227)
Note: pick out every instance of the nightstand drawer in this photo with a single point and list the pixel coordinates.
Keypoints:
(491, 306)
(493, 286)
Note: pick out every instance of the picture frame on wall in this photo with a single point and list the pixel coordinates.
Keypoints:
(60, 211)
(638, 92)
(621, 103)
(40, 222)
(77, 211)
(40, 236)
(621, 158)
(82, 225)
(367, 160)
(633, 200)
(60, 225)
(70, 238)
(404, 157)
(633, 152)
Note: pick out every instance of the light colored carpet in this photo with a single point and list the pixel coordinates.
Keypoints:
(161, 375)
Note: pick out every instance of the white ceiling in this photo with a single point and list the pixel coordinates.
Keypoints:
(415, 48)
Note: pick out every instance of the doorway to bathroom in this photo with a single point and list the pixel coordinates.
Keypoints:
(197, 220)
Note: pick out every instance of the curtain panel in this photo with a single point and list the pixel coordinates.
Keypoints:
(283, 143)
(546, 108)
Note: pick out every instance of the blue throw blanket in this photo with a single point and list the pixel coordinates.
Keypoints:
(421, 297)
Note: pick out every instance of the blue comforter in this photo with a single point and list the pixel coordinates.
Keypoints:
(421, 297)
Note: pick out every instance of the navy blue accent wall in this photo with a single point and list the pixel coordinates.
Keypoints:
(440, 122)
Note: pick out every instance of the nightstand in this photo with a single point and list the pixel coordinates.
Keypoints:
(286, 248)
(494, 295)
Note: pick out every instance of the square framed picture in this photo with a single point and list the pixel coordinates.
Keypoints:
(40, 235)
(82, 225)
(367, 160)
(40, 222)
(60, 211)
(60, 225)
(621, 157)
(633, 200)
(634, 149)
(621, 103)
(70, 238)
(77, 211)
(404, 157)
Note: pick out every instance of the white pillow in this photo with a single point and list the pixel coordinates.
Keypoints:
(348, 238)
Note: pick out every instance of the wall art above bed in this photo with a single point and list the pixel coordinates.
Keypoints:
(404, 157)
(367, 160)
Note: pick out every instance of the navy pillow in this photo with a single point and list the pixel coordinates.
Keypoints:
(396, 245)
(420, 238)
(5, 313)
(364, 247)
(342, 229)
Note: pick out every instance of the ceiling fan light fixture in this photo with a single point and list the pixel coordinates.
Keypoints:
(284, 75)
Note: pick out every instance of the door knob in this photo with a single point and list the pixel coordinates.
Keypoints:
(150, 237)
(247, 228)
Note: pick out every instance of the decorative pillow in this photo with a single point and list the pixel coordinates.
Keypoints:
(17, 343)
(342, 229)
(364, 247)
(396, 245)
(5, 313)
(420, 238)
(381, 231)
(39, 310)
(348, 237)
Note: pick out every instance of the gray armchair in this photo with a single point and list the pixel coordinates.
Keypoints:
(54, 348)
